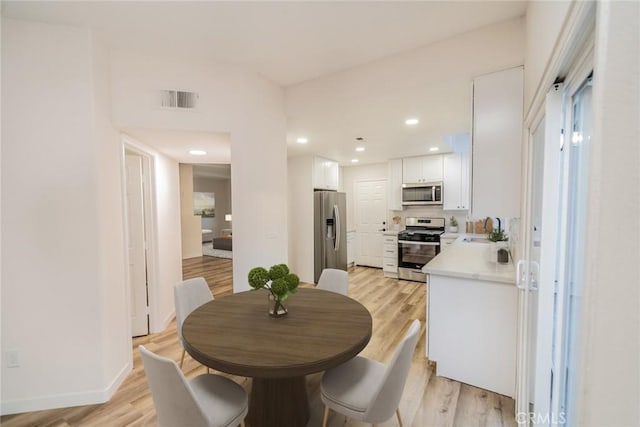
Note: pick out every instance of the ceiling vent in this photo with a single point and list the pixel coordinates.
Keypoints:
(178, 99)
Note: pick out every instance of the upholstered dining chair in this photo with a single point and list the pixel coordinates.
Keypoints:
(334, 280)
(367, 390)
(206, 400)
(189, 295)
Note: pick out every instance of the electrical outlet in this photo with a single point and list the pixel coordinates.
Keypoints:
(13, 358)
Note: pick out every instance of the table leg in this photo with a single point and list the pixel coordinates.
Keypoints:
(278, 402)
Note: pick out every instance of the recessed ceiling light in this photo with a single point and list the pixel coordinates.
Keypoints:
(411, 122)
(359, 148)
(433, 149)
(302, 140)
(354, 160)
(197, 152)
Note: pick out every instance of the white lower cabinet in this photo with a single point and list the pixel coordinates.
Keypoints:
(390, 255)
(472, 331)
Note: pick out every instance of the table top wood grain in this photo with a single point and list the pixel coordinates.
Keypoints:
(235, 334)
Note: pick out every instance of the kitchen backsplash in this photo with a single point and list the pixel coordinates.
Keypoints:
(510, 225)
(429, 211)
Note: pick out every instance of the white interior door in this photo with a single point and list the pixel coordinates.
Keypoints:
(136, 254)
(370, 218)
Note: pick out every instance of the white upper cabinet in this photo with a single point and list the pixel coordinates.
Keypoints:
(325, 174)
(411, 170)
(497, 143)
(394, 201)
(457, 176)
(422, 169)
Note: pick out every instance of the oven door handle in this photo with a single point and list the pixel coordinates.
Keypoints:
(410, 242)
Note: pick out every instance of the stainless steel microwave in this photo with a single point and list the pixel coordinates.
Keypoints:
(424, 193)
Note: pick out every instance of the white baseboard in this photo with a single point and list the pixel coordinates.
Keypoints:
(66, 400)
(168, 320)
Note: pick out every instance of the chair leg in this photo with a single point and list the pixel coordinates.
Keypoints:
(326, 415)
(242, 423)
(182, 358)
(399, 419)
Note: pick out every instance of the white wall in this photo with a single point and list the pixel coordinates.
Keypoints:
(351, 174)
(609, 376)
(231, 100)
(190, 225)
(544, 22)
(301, 220)
(168, 245)
(58, 294)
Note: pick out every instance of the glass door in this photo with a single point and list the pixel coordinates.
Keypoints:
(575, 189)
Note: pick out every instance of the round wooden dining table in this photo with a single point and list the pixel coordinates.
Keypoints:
(236, 335)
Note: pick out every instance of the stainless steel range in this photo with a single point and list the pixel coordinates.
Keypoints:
(418, 245)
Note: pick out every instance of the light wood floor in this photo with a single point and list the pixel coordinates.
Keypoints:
(427, 401)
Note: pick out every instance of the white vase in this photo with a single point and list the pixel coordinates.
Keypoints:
(453, 229)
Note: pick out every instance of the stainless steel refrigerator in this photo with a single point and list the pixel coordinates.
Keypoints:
(330, 242)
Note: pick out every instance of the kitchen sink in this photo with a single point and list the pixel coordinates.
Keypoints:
(477, 240)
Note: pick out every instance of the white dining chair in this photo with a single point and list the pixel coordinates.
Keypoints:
(368, 390)
(206, 400)
(189, 295)
(334, 280)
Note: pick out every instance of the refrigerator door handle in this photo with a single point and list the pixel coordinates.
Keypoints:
(336, 219)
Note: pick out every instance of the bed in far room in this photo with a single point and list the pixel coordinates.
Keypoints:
(207, 235)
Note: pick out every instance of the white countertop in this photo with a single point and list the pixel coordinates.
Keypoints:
(449, 235)
(472, 261)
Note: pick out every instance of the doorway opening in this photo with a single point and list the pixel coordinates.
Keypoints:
(138, 219)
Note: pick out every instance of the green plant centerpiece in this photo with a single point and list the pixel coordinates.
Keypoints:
(279, 281)
(453, 224)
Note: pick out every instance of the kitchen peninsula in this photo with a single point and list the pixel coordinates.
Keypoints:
(472, 316)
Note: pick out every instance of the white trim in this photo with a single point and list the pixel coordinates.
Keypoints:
(67, 400)
(548, 249)
(168, 319)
